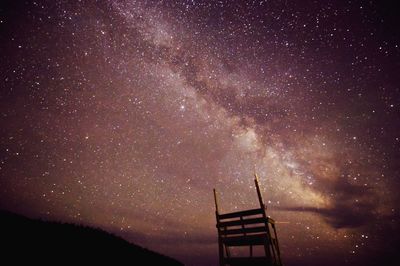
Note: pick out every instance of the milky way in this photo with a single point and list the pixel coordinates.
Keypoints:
(124, 115)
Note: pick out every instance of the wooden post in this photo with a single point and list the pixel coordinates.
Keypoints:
(216, 201)
(220, 245)
(277, 246)
(260, 199)
(267, 248)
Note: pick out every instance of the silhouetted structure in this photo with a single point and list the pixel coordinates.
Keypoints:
(247, 228)
(29, 242)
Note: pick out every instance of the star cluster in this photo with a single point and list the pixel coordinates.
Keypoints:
(124, 115)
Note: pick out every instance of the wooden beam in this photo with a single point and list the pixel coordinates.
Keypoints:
(242, 231)
(240, 213)
(254, 240)
(239, 222)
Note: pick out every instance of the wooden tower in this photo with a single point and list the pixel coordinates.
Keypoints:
(247, 228)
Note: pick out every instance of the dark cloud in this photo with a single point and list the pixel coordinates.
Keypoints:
(341, 216)
(352, 206)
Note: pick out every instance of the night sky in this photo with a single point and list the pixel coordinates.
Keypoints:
(125, 114)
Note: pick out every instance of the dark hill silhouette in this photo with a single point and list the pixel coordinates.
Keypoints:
(33, 241)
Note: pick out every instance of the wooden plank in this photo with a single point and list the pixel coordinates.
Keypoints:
(240, 222)
(240, 213)
(243, 231)
(253, 240)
